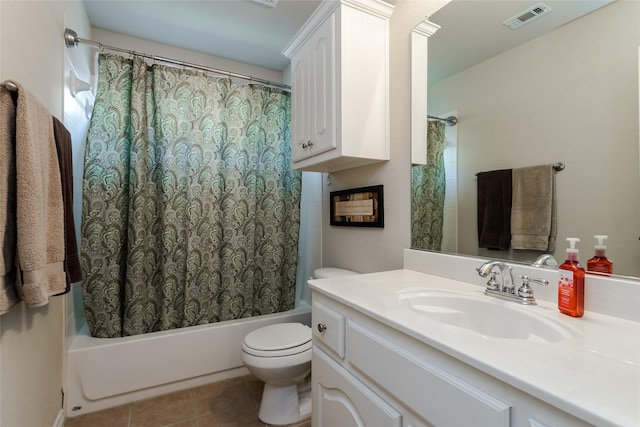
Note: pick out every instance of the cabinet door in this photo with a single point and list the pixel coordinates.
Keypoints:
(339, 399)
(300, 103)
(322, 63)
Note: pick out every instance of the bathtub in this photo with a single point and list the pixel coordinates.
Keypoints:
(106, 372)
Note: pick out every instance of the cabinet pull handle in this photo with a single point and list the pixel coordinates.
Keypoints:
(322, 327)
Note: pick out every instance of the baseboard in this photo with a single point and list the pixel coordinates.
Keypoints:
(59, 422)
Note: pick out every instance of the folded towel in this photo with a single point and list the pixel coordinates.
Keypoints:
(494, 209)
(64, 150)
(8, 293)
(533, 211)
(40, 212)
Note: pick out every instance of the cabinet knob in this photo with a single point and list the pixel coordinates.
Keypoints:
(321, 327)
(307, 144)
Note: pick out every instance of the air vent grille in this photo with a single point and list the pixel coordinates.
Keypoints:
(527, 16)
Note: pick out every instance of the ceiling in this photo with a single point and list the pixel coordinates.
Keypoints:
(242, 30)
(472, 30)
(251, 32)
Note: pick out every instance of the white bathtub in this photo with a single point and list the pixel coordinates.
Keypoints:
(107, 372)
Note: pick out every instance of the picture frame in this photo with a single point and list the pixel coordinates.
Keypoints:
(357, 207)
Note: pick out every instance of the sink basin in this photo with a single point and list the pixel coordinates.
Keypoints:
(486, 316)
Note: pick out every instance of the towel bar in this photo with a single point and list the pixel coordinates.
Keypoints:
(9, 85)
(556, 167)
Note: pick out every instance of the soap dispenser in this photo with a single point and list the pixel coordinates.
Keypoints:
(571, 284)
(599, 263)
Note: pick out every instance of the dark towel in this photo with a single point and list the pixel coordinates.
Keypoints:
(65, 160)
(494, 209)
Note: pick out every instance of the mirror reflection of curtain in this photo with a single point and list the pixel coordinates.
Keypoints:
(428, 192)
(191, 210)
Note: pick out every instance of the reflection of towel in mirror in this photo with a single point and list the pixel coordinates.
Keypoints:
(533, 210)
(494, 209)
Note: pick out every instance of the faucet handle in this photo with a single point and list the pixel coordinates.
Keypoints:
(525, 290)
(493, 283)
(526, 279)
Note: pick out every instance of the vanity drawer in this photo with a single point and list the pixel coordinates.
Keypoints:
(430, 391)
(328, 327)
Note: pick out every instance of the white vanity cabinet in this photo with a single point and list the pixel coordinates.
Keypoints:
(367, 373)
(340, 86)
(339, 399)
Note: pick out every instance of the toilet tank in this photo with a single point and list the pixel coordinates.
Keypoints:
(330, 272)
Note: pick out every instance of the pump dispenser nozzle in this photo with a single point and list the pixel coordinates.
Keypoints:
(599, 263)
(572, 241)
(601, 240)
(572, 252)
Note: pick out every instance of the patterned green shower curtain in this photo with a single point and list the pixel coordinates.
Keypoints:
(190, 210)
(427, 192)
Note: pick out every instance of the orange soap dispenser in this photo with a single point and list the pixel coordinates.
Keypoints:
(571, 284)
(599, 263)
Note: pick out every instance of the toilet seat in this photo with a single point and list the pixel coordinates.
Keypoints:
(282, 339)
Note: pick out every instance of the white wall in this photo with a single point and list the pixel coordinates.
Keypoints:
(372, 249)
(569, 96)
(32, 340)
(158, 49)
(450, 220)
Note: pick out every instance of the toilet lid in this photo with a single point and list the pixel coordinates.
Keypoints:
(278, 337)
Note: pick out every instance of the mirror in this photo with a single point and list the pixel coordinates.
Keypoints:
(562, 90)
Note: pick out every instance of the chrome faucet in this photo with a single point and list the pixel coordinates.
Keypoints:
(499, 289)
(487, 269)
(545, 259)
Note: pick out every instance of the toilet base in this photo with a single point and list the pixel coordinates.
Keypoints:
(282, 405)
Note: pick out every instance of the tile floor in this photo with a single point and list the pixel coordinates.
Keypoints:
(229, 403)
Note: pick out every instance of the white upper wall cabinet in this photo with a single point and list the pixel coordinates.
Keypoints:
(340, 86)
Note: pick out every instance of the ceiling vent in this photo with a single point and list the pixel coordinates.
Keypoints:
(527, 16)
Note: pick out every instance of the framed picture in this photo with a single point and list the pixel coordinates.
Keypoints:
(358, 207)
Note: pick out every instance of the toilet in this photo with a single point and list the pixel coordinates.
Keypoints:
(280, 355)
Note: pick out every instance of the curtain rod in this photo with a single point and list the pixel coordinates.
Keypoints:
(71, 39)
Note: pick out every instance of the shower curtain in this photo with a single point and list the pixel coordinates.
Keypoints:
(190, 210)
(428, 191)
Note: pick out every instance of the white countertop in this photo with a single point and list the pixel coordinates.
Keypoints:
(595, 376)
